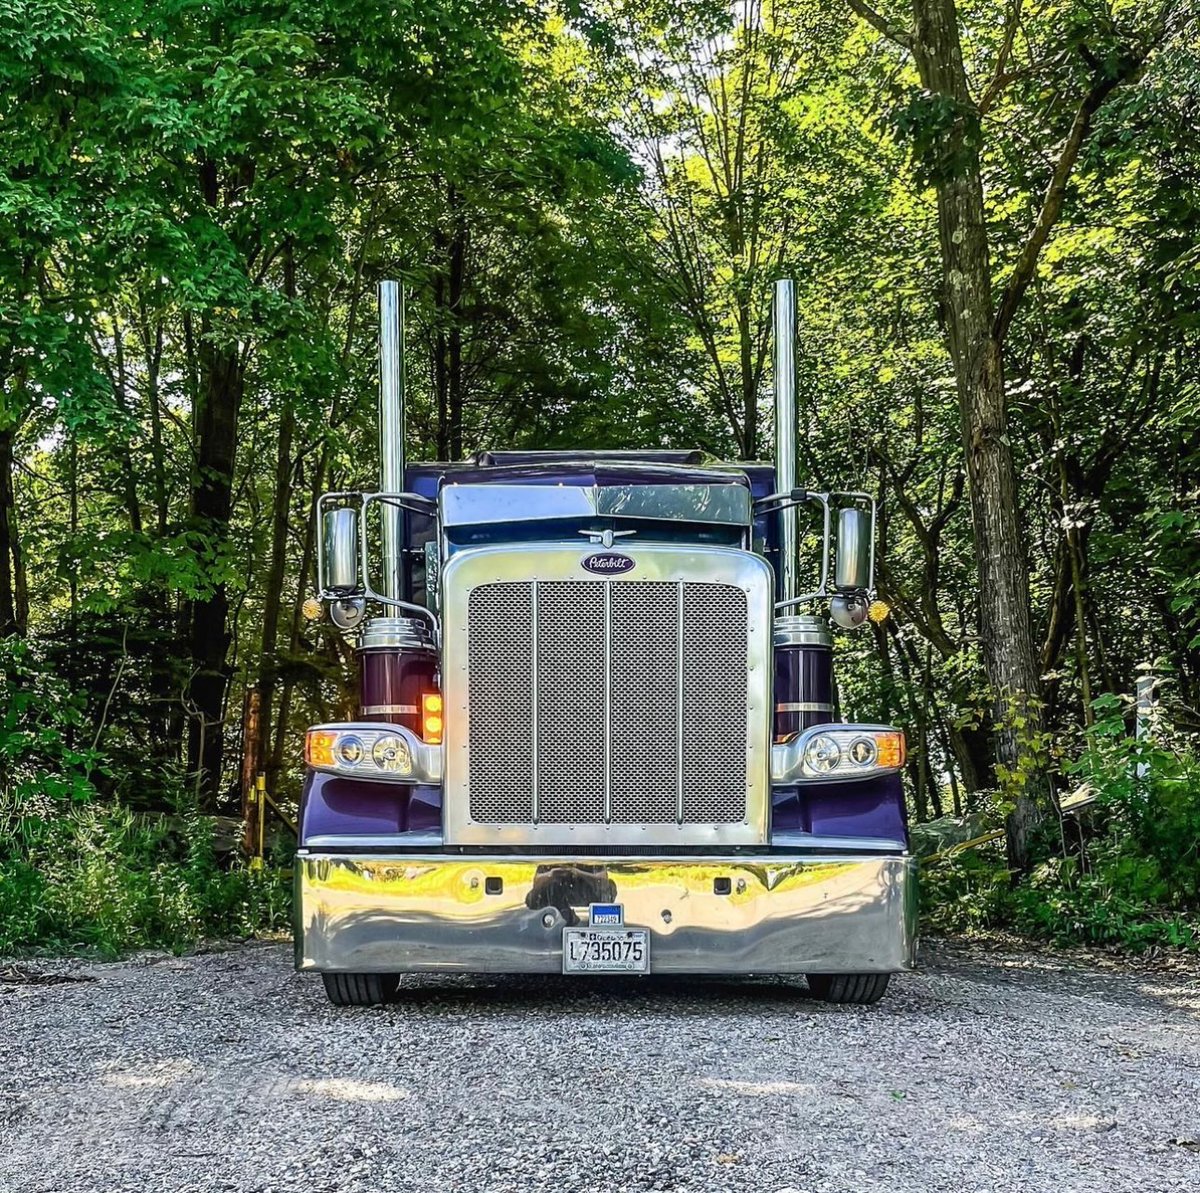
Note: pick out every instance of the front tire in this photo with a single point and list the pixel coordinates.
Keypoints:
(359, 989)
(860, 988)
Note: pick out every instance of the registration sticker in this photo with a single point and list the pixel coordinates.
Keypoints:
(606, 915)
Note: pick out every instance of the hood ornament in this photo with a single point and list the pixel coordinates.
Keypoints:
(604, 538)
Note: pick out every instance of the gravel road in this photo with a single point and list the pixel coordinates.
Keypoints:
(228, 1071)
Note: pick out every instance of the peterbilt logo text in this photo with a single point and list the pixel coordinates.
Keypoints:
(608, 565)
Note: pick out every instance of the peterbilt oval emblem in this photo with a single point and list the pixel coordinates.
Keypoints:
(608, 564)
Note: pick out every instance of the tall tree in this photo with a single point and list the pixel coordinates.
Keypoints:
(947, 125)
(712, 100)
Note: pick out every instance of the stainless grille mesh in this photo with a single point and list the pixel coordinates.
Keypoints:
(501, 681)
(570, 707)
(714, 698)
(638, 714)
(644, 715)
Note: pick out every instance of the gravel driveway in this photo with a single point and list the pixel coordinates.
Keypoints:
(228, 1071)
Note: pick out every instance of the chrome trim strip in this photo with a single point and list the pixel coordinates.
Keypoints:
(803, 706)
(787, 758)
(387, 842)
(815, 841)
(401, 913)
(369, 710)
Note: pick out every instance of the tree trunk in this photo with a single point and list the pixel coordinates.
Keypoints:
(268, 656)
(1004, 621)
(216, 419)
(749, 444)
(10, 621)
(456, 387)
(124, 455)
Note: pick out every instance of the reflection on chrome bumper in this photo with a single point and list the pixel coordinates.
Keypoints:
(506, 915)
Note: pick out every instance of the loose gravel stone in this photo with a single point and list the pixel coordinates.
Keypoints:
(227, 1071)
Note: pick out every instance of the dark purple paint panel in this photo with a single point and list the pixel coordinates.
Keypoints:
(424, 810)
(864, 808)
(330, 804)
(803, 675)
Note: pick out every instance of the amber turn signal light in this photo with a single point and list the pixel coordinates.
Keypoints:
(889, 749)
(318, 747)
(431, 718)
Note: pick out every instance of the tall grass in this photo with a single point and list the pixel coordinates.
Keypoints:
(82, 872)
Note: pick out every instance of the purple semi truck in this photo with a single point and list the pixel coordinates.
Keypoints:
(597, 730)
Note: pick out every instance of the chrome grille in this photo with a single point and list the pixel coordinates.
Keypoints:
(644, 706)
(714, 698)
(626, 701)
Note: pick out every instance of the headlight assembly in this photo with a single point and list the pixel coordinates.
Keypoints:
(387, 753)
(833, 753)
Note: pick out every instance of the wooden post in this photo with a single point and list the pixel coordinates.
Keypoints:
(251, 725)
(260, 799)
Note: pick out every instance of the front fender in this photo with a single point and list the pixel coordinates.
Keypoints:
(333, 806)
(871, 807)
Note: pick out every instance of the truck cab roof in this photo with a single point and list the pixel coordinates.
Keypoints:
(500, 497)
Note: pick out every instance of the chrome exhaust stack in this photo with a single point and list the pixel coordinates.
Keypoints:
(391, 435)
(803, 643)
(784, 320)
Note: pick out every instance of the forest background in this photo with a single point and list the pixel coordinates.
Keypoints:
(992, 212)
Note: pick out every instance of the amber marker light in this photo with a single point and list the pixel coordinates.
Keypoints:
(318, 747)
(431, 718)
(889, 749)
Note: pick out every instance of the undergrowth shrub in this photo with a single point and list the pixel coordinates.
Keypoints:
(1126, 873)
(78, 872)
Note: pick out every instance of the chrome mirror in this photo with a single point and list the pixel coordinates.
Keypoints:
(852, 572)
(340, 540)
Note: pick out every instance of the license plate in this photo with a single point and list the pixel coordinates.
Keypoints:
(606, 950)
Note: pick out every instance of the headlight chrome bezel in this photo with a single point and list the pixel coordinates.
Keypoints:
(837, 753)
(389, 753)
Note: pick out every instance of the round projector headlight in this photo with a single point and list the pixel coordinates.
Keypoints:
(863, 751)
(351, 751)
(822, 754)
(391, 754)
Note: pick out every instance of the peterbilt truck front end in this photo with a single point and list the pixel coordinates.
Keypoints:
(633, 764)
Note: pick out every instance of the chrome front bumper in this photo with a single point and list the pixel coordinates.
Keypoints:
(437, 914)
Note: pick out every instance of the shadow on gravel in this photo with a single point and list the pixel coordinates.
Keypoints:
(18, 975)
(673, 995)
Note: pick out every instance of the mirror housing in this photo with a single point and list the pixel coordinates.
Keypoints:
(852, 572)
(340, 540)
